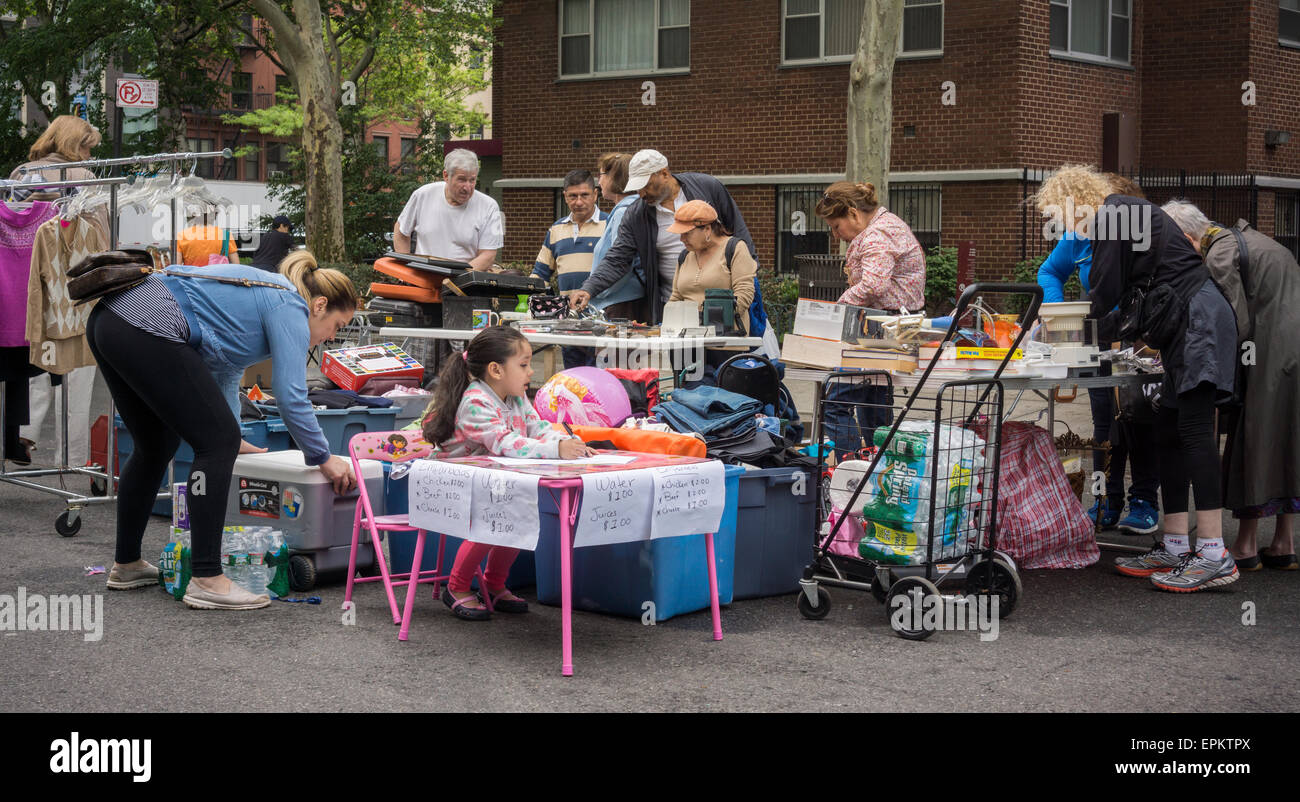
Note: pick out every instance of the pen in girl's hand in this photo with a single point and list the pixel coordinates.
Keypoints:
(570, 431)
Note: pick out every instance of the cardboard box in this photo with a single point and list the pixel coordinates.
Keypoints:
(840, 322)
(259, 374)
(351, 368)
(832, 355)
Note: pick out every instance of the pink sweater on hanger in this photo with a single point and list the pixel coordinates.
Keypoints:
(17, 235)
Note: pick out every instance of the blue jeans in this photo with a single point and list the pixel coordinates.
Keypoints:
(861, 408)
(578, 357)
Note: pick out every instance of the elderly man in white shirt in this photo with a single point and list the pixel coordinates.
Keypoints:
(450, 218)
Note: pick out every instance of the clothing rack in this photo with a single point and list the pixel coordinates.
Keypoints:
(69, 522)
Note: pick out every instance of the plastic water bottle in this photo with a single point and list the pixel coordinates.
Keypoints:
(257, 568)
(237, 565)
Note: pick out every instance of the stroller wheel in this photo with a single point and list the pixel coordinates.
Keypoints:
(819, 612)
(995, 578)
(904, 607)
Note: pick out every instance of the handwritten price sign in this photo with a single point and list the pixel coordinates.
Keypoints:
(688, 499)
(441, 496)
(615, 507)
(505, 510)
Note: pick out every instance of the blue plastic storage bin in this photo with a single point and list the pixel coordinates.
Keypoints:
(775, 529)
(620, 578)
(254, 431)
(338, 425)
(401, 545)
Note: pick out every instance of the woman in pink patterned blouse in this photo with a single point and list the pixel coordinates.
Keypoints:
(886, 270)
(481, 407)
(885, 264)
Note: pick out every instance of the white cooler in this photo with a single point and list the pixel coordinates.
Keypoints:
(277, 489)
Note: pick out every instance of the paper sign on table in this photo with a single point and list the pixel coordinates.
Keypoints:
(505, 510)
(615, 507)
(441, 495)
(688, 499)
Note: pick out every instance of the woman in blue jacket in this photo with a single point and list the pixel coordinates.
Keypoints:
(1127, 443)
(172, 350)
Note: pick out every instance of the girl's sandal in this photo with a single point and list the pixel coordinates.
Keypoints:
(459, 608)
(503, 601)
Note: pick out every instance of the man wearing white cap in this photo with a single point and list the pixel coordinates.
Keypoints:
(644, 229)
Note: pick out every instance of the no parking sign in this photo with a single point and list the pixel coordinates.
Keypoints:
(137, 93)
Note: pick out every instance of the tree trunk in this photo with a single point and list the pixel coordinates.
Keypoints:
(303, 45)
(871, 78)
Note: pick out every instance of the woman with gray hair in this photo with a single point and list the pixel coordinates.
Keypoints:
(1261, 464)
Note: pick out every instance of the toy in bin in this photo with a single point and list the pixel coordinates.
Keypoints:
(915, 522)
(278, 489)
(351, 368)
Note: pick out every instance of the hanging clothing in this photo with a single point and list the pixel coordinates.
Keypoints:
(17, 237)
(56, 328)
(17, 234)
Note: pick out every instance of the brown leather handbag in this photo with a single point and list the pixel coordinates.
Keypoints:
(105, 273)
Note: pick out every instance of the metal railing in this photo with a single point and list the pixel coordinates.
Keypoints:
(1223, 197)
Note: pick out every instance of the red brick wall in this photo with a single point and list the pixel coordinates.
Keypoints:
(740, 112)
(1058, 110)
(1276, 73)
(1192, 73)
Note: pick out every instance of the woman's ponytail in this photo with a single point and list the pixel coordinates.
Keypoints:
(313, 281)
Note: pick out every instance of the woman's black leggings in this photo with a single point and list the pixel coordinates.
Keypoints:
(1189, 452)
(164, 393)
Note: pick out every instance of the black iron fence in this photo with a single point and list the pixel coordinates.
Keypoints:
(1286, 220)
(1222, 197)
(800, 231)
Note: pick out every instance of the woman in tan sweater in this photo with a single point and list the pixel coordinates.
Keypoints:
(705, 265)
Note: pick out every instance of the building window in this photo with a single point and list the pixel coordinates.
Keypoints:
(251, 163)
(283, 85)
(241, 90)
(380, 144)
(624, 37)
(826, 31)
(1093, 30)
(1288, 22)
(206, 167)
(277, 159)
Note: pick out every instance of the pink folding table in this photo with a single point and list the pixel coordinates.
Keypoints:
(564, 483)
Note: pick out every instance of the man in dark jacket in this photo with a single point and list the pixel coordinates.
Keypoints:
(275, 245)
(644, 230)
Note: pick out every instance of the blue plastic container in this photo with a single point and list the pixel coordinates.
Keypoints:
(620, 578)
(254, 432)
(338, 425)
(401, 545)
(775, 529)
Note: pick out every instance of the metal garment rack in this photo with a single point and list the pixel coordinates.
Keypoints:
(69, 522)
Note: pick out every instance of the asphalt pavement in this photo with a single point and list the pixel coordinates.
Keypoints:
(1080, 640)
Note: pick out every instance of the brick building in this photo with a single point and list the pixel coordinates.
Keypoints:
(254, 81)
(755, 93)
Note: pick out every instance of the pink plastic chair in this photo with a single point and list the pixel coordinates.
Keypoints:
(392, 447)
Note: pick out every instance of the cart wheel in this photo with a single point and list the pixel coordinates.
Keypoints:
(909, 591)
(99, 487)
(302, 573)
(819, 612)
(995, 578)
(68, 524)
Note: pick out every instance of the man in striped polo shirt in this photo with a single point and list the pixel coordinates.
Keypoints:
(567, 250)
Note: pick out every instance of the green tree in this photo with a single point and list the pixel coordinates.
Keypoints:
(405, 55)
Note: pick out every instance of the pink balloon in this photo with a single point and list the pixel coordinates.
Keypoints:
(585, 396)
